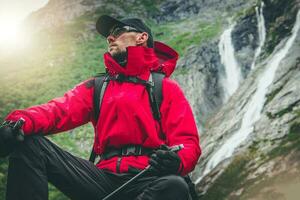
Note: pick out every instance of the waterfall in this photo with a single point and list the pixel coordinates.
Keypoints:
(232, 75)
(261, 32)
(254, 106)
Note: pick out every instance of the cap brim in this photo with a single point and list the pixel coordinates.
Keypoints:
(105, 23)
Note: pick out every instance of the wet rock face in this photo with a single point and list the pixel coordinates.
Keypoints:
(280, 17)
(245, 40)
(278, 21)
(282, 106)
(279, 120)
(201, 83)
(172, 10)
(245, 33)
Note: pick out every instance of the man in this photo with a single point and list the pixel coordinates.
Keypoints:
(125, 122)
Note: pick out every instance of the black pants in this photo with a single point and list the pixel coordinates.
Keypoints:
(38, 161)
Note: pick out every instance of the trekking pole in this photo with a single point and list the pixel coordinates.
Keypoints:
(140, 174)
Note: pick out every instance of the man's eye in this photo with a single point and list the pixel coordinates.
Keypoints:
(118, 31)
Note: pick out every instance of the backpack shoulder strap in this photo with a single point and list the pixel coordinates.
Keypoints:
(101, 82)
(100, 85)
(157, 79)
(155, 93)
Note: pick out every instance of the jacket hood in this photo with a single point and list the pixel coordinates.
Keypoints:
(161, 58)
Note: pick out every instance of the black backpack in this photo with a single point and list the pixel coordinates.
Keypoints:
(154, 88)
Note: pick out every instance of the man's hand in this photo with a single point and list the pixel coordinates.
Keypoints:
(164, 161)
(11, 134)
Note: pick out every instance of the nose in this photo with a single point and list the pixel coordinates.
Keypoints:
(110, 39)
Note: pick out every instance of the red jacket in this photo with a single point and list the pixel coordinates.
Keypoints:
(125, 115)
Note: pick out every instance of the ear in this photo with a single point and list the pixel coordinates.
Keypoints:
(141, 39)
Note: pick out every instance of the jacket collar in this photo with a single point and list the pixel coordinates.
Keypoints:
(142, 60)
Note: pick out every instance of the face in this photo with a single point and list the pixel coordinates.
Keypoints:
(120, 38)
(118, 44)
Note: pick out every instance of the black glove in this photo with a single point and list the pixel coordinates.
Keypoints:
(11, 135)
(164, 161)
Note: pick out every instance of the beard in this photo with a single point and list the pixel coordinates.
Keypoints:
(120, 57)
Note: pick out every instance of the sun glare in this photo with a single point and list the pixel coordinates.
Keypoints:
(13, 13)
(8, 31)
(11, 34)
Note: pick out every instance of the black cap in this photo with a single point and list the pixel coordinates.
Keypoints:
(105, 23)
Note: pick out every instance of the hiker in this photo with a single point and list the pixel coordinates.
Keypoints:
(129, 133)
